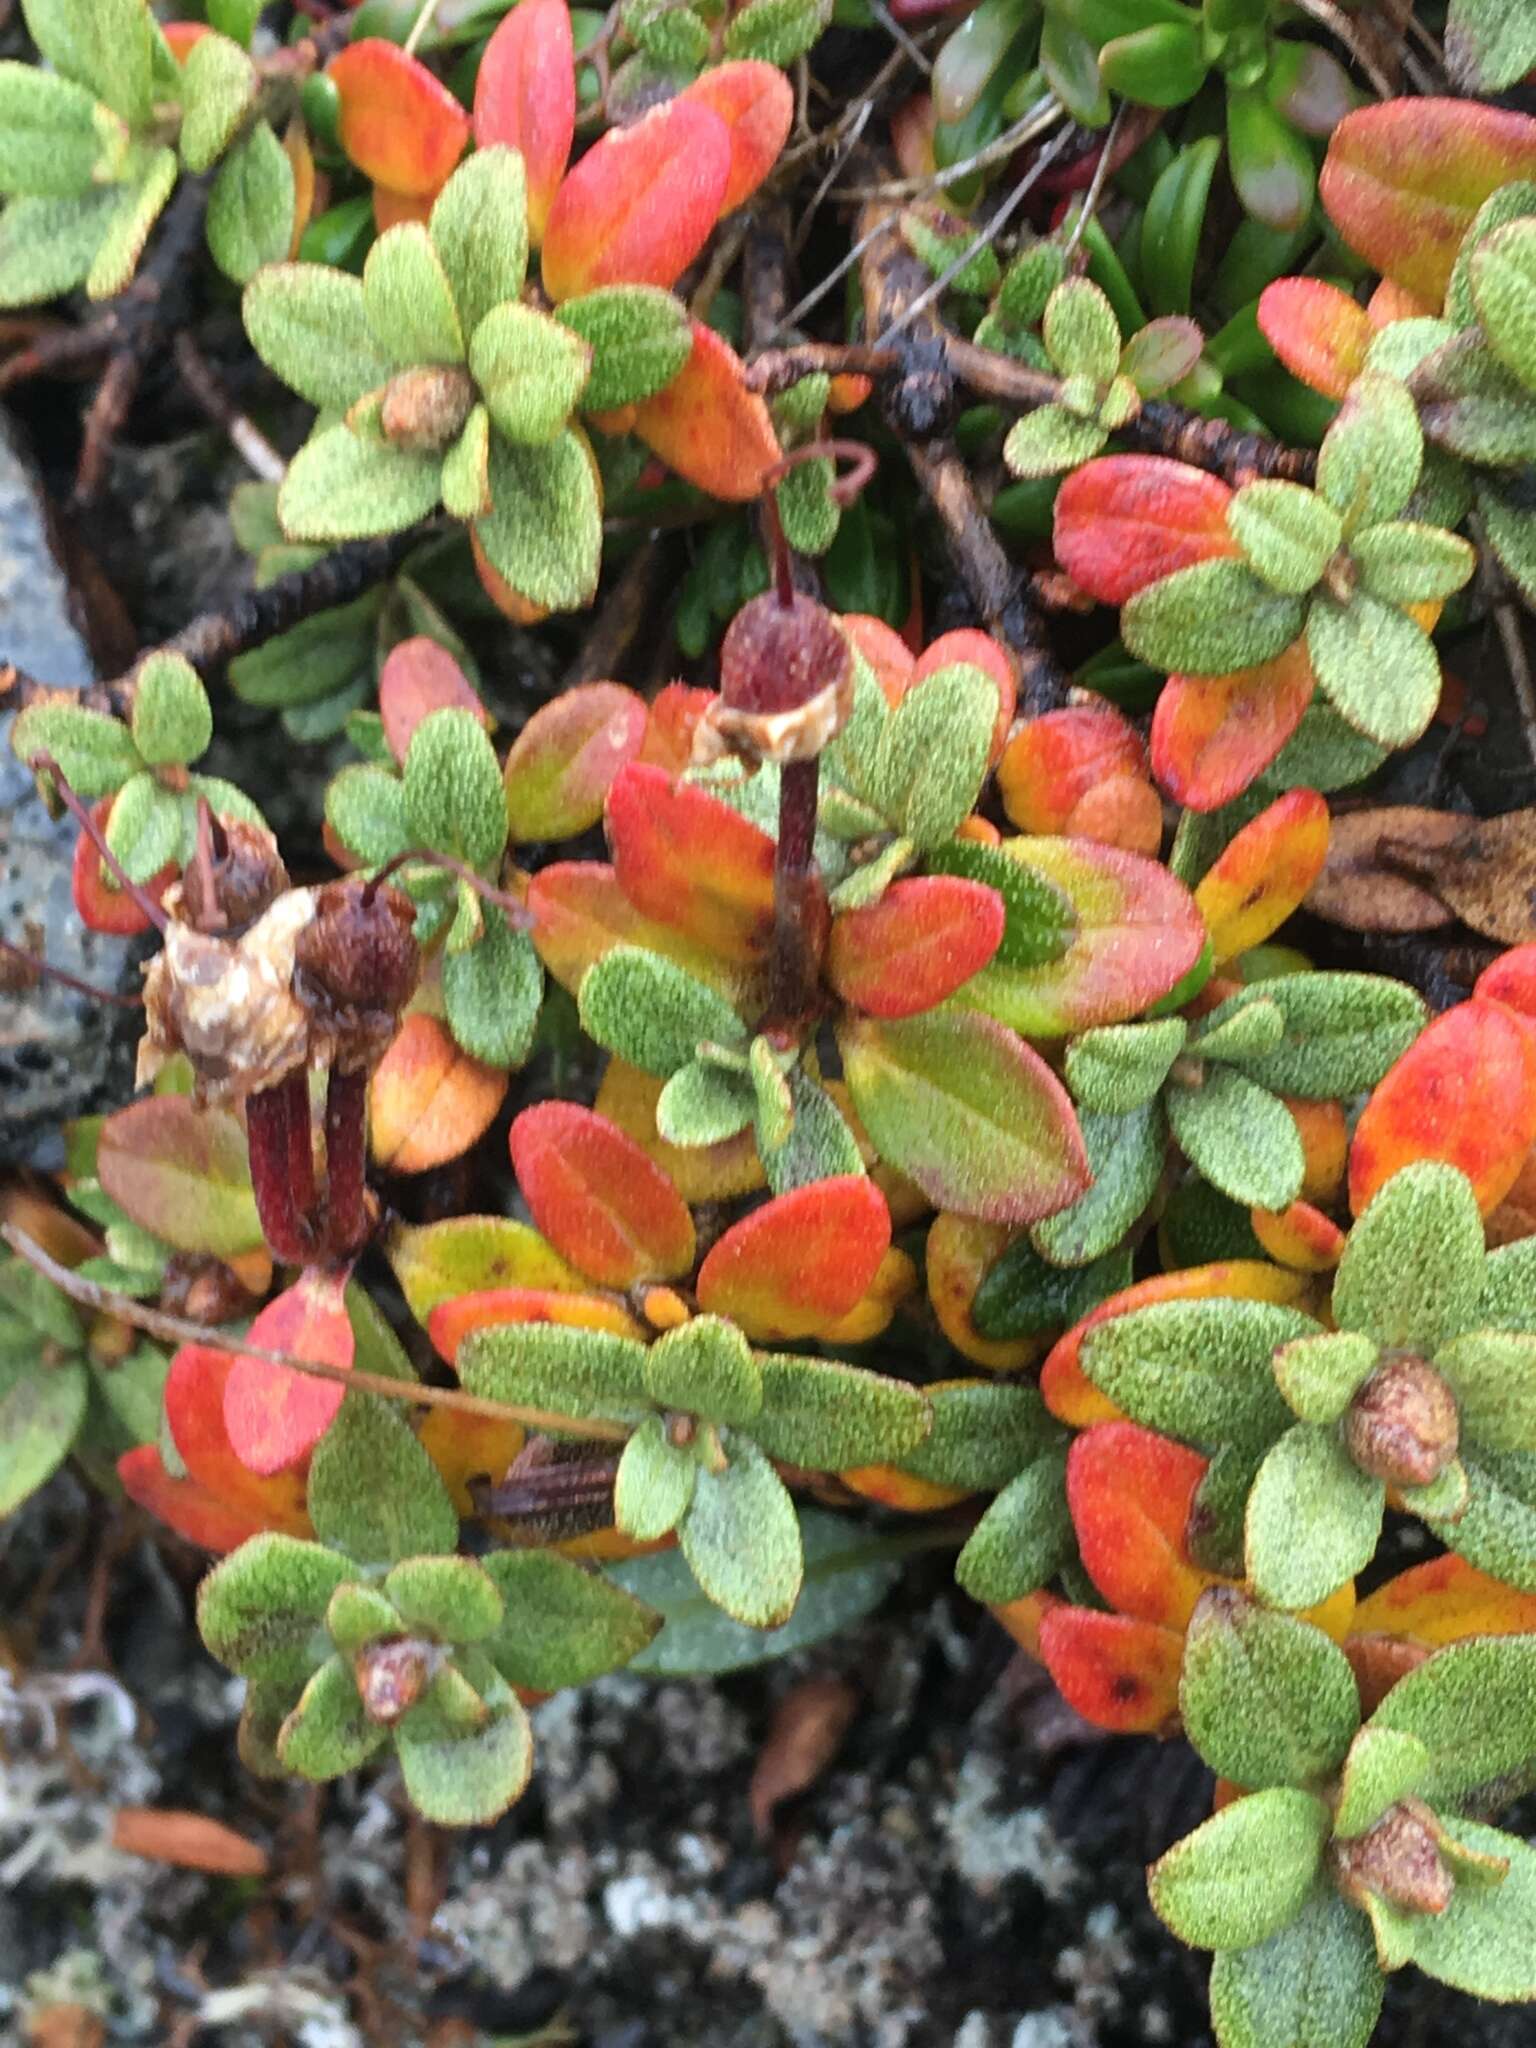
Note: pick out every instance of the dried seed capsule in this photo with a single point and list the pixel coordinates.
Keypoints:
(357, 964)
(1402, 1426)
(786, 683)
(1397, 1860)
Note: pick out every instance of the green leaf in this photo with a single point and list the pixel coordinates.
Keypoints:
(818, 1144)
(1125, 1157)
(1496, 1529)
(703, 1103)
(96, 753)
(144, 830)
(408, 301)
(776, 31)
(1405, 562)
(654, 1485)
(1472, 407)
(1080, 331)
(346, 486)
(251, 206)
(1372, 454)
(358, 1615)
(705, 1368)
(138, 208)
(218, 84)
(1379, 667)
(467, 468)
(1489, 44)
(373, 1491)
(848, 1572)
(1023, 1539)
(652, 1013)
(1342, 1032)
(1242, 1138)
(1197, 1369)
(1319, 1376)
(47, 246)
(454, 801)
(1473, 1706)
(1309, 1483)
(544, 533)
(557, 1367)
(639, 337)
(1511, 527)
(1265, 1699)
(1049, 440)
(450, 1598)
(1024, 1294)
(1315, 1984)
(827, 1416)
(328, 1734)
(55, 138)
(314, 660)
(933, 752)
(41, 1409)
(365, 808)
(531, 371)
(1210, 619)
(464, 1778)
(1493, 1376)
(1118, 1067)
(103, 44)
(968, 1110)
(1485, 1940)
(1508, 1300)
(1245, 1028)
(1413, 1267)
(1383, 1766)
(172, 723)
(1041, 922)
(307, 323)
(1503, 280)
(1288, 533)
(479, 229)
(1246, 1873)
(983, 1436)
(741, 1538)
(262, 1610)
(492, 993)
(564, 1625)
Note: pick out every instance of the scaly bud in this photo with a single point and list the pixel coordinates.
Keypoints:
(1402, 1426)
(1397, 1860)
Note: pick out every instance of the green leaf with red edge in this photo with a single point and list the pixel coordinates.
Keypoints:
(1403, 181)
(1264, 873)
(757, 105)
(437, 1262)
(1131, 1493)
(429, 1100)
(598, 1198)
(452, 1321)
(639, 206)
(580, 913)
(181, 1173)
(274, 1415)
(1317, 330)
(1052, 762)
(1125, 521)
(1213, 735)
(525, 97)
(797, 1265)
(913, 949)
(397, 123)
(419, 677)
(1138, 933)
(707, 425)
(969, 1111)
(1117, 1672)
(690, 861)
(1464, 1092)
(563, 762)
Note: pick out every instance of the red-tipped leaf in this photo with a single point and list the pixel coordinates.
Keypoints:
(798, 1265)
(597, 1197)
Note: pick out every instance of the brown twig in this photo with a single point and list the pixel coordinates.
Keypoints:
(1510, 627)
(245, 436)
(179, 1330)
(619, 618)
(780, 369)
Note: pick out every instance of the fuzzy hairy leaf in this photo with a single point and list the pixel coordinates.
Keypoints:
(1314, 1984)
(1023, 1538)
(654, 1484)
(639, 337)
(1413, 1269)
(742, 1540)
(564, 1625)
(825, 1415)
(651, 1013)
(1125, 1157)
(1473, 1706)
(1197, 1369)
(1246, 1873)
(557, 1367)
(1242, 1138)
(373, 1491)
(307, 323)
(408, 300)
(544, 532)
(1210, 619)
(47, 246)
(1309, 1482)
(346, 486)
(262, 1610)
(1266, 1700)
(1378, 666)
(251, 206)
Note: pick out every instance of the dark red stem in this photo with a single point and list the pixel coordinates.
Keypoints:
(301, 1144)
(516, 914)
(269, 1140)
(45, 764)
(346, 1195)
(44, 972)
(796, 939)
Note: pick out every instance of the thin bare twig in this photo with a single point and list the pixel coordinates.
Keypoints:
(245, 437)
(1510, 627)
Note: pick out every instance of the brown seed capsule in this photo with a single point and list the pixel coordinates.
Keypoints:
(1397, 1860)
(786, 683)
(1402, 1426)
(244, 877)
(357, 964)
(392, 1675)
(426, 408)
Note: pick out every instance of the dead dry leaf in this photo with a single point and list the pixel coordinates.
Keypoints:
(1365, 888)
(808, 1728)
(170, 1835)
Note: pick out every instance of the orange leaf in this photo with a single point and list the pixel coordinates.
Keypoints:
(1403, 180)
(598, 1198)
(511, 603)
(103, 905)
(1318, 331)
(301, 158)
(1300, 1236)
(1445, 1601)
(419, 677)
(959, 1253)
(1054, 761)
(466, 1447)
(276, 1416)
(1125, 521)
(895, 1279)
(525, 97)
(1211, 735)
(1512, 980)
(639, 206)
(580, 913)
(398, 124)
(192, 1840)
(189, 1508)
(674, 716)
(684, 857)
(452, 1321)
(798, 1264)
(428, 1100)
(393, 209)
(914, 948)
(564, 759)
(706, 424)
(1264, 873)
(1124, 811)
(757, 105)
(700, 1173)
(1117, 1672)
(1464, 1092)
(1130, 1493)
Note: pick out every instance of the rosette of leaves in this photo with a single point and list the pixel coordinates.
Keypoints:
(144, 763)
(379, 1635)
(1337, 568)
(675, 40)
(1102, 383)
(705, 1418)
(1421, 1393)
(438, 383)
(447, 798)
(1352, 1850)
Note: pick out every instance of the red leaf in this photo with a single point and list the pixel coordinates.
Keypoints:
(674, 717)
(418, 678)
(1130, 1493)
(1124, 521)
(707, 425)
(1051, 763)
(914, 948)
(188, 1508)
(598, 1198)
(1118, 1673)
(276, 1416)
(580, 913)
(757, 105)
(1512, 980)
(102, 904)
(689, 860)
(565, 758)
(639, 206)
(397, 123)
(525, 97)
(1464, 1092)
(1318, 331)
(886, 652)
(1211, 735)
(798, 1264)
